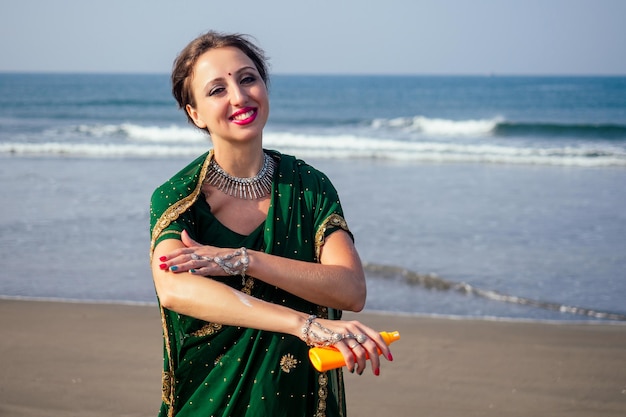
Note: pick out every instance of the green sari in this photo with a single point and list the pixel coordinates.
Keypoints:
(212, 369)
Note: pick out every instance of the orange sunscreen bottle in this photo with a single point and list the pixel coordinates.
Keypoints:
(325, 358)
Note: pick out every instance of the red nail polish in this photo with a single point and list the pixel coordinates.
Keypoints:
(376, 372)
(163, 258)
(390, 357)
(163, 266)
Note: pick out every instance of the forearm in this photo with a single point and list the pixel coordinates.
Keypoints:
(335, 286)
(211, 301)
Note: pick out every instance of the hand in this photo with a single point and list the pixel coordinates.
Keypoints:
(357, 343)
(205, 260)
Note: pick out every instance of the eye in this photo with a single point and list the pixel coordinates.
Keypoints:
(216, 90)
(248, 79)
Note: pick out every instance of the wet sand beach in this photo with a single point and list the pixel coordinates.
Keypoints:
(92, 360)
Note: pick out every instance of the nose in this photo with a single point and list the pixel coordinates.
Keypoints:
(238, 95)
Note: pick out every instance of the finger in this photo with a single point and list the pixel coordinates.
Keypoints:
(187, 240)
(372, 351)
(360, 356)
(172, 256)
(185, 263)
(348, 356)
(374, 336)
(202, 271)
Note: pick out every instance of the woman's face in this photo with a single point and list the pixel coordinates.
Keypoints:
(230, 96)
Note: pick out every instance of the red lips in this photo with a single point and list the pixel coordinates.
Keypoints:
(244, 116)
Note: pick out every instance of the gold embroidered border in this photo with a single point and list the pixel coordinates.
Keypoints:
(334, 220)
(322, 395)
(322, 379)
(247, 288)
(167, 376)
(171, 232)
(164, 221)
(180, 206)
(167, 380)
(207, 329)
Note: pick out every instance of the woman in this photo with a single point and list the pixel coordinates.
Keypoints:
(251, 257)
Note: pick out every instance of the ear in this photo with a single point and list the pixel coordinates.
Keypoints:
(195, 117)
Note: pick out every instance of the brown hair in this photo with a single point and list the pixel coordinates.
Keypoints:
(186, 60)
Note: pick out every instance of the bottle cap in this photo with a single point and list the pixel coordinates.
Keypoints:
(390, 337)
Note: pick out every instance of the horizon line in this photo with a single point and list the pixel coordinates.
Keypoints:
(328, 74)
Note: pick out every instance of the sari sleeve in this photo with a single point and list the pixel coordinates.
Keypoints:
(328, 213)
(163, 226)
(173, 231)
(171, 200)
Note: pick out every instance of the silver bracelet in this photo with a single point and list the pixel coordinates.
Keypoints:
(306, 328)
(240, 267)
(311, 338)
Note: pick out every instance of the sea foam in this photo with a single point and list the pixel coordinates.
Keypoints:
(467, 145)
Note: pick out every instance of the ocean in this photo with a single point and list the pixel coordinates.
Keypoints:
(483, 196)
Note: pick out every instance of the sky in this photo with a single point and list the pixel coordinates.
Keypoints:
(433, 37)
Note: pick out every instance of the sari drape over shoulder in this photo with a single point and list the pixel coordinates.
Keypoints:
(211, 369)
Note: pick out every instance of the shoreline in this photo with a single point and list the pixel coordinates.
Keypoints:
(94, 359)
(581, 321)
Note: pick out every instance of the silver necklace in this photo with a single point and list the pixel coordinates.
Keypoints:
(246, 188)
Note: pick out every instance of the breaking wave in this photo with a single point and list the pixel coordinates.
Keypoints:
(132, 140)
(500, 127)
